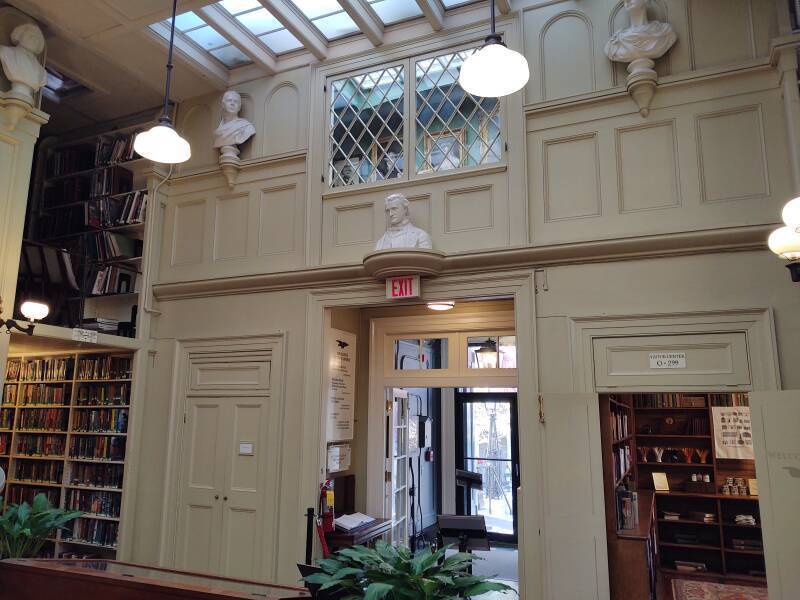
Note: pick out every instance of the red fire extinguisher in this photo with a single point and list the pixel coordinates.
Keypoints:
(325, 515)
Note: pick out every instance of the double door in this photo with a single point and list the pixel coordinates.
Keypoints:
(222, 517)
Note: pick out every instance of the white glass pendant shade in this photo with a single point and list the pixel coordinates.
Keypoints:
(785, 242)
(162, 144)
(494, 71)
(791, 213)
(34, 311)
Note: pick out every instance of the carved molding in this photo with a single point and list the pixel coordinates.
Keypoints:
(407, 261)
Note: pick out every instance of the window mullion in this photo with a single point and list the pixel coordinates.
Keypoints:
(409, 107)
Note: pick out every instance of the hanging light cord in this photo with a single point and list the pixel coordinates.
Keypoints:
(165, 113)
(494, 37)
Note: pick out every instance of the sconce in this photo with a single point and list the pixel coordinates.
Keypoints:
(785, 242)
(31, 310)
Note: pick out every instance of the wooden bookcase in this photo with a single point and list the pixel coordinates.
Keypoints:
(85, 231)
(68, 434)
(681, 426)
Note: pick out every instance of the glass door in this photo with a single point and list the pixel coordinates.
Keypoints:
(487, 445)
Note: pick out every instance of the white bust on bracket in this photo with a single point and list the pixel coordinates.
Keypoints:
(21, 61)
(640, 45)
(232, 131)
(401, 233)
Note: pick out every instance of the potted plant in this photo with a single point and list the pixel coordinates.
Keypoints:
(24, 528)
(394, 573)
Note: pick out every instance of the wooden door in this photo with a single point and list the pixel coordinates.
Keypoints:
(202, 485)
(776, 442)
(244, 500)
(573, 528)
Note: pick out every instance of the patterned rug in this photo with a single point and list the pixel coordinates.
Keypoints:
(683, 589)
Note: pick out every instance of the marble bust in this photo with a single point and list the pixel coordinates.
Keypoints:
(20, 62)
(643, 39)
(233, 129)
(400, 232)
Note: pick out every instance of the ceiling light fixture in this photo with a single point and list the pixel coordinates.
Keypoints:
(161, 143)
(441, 305)
(494, 70)
(31, 310)
(487, 354)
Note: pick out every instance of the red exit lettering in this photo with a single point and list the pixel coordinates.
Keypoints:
(402, 287)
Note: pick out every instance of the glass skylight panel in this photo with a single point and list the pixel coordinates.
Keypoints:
(239, 6)
(259, 21)
(336, 25)
(281, 41)
(186, 21)
(313, 9)
(394, 11)
(231, 56)
(207, 38)
(455, 3)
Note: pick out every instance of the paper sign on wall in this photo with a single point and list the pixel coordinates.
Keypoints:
(667, 360)
(246, 449)
(733, 432)
(340, 385)
(84, 335)
(338, 457)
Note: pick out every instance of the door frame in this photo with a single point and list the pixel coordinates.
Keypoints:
(273, 344)
(510, 397)
(516, 285)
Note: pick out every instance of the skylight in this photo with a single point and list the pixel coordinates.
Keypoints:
(261, 23)
(328, 16)
(394, 11)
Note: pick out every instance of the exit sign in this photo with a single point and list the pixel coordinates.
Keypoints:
(405, 286)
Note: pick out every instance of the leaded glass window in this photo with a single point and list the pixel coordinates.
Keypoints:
(453, 128)
(367, 127)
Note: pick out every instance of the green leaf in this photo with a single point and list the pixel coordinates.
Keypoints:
(377, 590)
(486, 586)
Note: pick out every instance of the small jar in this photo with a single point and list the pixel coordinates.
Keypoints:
(706, 478)
(694, 476)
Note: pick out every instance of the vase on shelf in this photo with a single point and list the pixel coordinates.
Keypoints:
(643, 452)
(702, 454)
(687, 454)
(659, 452)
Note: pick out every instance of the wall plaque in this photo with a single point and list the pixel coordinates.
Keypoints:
(667, 360)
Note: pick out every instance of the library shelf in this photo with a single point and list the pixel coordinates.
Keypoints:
(24, 382)
(701, 495)
(692, 546)
(627, 473)
(102, 380)
(689, 522)
(622, 440)
(741, 526)
(670, 436)
(25, 406)
(748, 552)
(678, 465)
(111, 433)
(85, 543)
(97, 461)
(34, 483)
(97, 517)
(96, 406)
(93, 488)
(670, 408)
(42, 431)
(35, 457)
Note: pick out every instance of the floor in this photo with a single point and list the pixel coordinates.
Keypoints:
(499, 563)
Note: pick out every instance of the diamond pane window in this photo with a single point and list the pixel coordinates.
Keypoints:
(367, 125)
(453, 128)
(394, 11)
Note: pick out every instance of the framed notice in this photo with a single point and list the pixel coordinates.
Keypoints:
(733, 432)
(340, 385)
(338, 457)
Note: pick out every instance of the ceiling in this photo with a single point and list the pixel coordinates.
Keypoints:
(117, 48)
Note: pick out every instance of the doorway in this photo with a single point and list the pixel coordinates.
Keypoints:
(487, 444)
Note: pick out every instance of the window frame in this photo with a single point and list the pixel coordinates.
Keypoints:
(408, 62)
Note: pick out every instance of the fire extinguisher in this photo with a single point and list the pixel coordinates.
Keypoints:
(325, 515)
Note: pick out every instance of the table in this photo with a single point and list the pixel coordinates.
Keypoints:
(90, 579)
(364, 535)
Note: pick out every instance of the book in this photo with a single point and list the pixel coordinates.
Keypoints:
(350, 522)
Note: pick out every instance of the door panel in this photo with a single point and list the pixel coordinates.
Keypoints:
(203, 479)
(244, 500)
(574, 527)
(776, 442)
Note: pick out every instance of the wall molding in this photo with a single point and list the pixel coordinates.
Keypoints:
(734, 239)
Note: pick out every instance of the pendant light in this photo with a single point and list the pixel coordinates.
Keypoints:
(161, 143)
(487, 354)
(494, 70)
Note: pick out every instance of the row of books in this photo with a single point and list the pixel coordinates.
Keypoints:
(668, 400)
(99, 503)
(66, 191)
(17, 494)
(42, 471)
(10, 395)
(114, 180)
(698, 426)
(71, 160)
(93, 394)
(43, 393)
(7, 418)
(46, 369)
(5, 443)
(95, 475)
(97, 447)
(35, 444)
(627, 507)
(107, 245)
(112, 280)
(102, 324)
(113, 420)
(105, 367)
(109, 151)
(622, 461)
(44, 419)
(619, 425)
(12, 370)
(92, 531)
(127, 209)
(738, 399)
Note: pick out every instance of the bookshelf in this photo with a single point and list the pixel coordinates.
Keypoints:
(68, 416)
(673, 433)
(85, 232)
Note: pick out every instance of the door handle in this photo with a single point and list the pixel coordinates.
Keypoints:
(225, 499)
(541, 409)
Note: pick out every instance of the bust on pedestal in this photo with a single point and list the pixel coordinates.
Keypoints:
(639, 45)
(401, 233)
(232, 131)
(22, 68)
